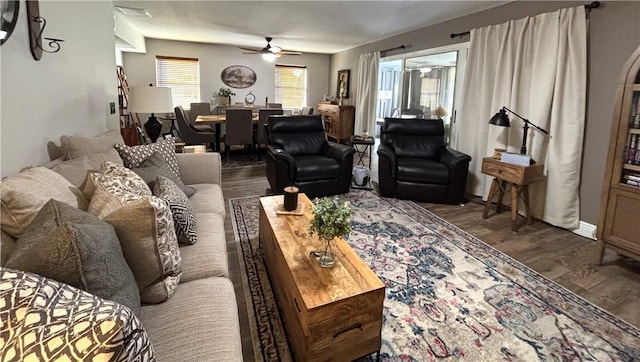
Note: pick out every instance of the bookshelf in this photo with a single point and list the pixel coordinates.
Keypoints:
(619, 222)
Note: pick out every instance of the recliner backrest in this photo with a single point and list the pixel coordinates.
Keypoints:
(298, 135)
(421, 138)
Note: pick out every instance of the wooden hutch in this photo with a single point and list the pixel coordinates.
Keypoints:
(619, 222)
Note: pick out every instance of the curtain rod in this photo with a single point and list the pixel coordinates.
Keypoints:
(390, 49)
(588, 7)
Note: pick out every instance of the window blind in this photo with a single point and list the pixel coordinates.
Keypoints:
(291, 85)
(182, 75)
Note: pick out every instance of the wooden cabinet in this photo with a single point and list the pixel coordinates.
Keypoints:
(618, 224)
(338, 121)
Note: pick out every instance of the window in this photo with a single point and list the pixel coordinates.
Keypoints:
(422, 84)
(182, 75)
(291, 85)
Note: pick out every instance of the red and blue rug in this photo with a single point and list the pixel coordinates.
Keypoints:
(449, 296)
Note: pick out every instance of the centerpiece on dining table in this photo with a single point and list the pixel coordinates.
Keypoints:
(224, 94)
(330, 220)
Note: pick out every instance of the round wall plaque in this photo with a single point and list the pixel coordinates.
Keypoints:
(238, 76)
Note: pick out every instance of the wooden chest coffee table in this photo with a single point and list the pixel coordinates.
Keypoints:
(331, 314)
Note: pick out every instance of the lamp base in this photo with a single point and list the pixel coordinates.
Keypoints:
(153, 127)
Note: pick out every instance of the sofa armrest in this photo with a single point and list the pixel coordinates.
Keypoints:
(200, 168)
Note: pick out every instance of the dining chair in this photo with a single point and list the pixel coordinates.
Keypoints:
(274, 105)
(199, 109)
(239, 128)
(306, 111)
(189, 134)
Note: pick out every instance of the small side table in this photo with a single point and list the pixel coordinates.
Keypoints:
(368, 143)
(367, 147)
(517, 178)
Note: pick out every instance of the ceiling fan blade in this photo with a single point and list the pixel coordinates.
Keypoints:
(250, 52)
(289, 52)
(251, 49)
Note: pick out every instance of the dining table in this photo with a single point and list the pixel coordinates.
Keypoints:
(217, 120)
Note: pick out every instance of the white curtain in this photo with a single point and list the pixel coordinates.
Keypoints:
(367, 93)
(537, 67)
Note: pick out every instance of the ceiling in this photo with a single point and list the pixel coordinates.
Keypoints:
(308, 26)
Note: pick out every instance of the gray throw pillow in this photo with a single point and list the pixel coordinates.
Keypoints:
(184, 220)
(155, 166)
(76, 248)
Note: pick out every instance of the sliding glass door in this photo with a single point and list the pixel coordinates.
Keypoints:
(422, 85)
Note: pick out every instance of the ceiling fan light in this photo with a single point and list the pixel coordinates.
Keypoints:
(270, 57)
(275, 50)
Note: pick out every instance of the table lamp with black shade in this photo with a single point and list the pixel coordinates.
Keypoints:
(502, 119)
(151, 100)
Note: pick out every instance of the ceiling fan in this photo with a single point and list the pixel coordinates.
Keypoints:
(270, 52)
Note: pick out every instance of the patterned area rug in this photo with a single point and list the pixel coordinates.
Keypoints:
(449, 296)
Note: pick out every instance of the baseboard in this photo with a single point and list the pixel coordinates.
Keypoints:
(586, 230)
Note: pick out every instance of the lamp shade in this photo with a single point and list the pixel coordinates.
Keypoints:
(500, 119)
(150, 100)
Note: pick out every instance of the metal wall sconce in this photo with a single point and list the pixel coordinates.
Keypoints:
(36, 27)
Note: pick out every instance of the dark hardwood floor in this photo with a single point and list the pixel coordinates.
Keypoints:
(558, 254)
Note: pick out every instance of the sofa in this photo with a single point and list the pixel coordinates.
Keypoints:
(193, 314)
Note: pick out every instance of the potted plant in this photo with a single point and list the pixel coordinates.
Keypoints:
(330, 220)
(225, 95)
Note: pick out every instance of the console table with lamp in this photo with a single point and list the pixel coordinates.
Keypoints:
(514, 171)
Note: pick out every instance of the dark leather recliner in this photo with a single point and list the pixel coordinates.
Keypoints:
(299, 154)
(415, 163)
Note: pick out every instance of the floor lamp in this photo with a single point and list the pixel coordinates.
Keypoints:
(151, 100)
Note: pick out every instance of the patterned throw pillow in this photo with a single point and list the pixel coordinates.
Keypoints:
(154, 166)
(113, 188)
(45, 320)
(183, 218)
(134, 156)
(24, 194)
(148, 240)
(76, 248)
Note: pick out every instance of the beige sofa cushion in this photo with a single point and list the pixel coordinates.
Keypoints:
(208, 199)
(207, 257)
(75, 146)
(76, 170)
(53, 321)
(149, 244)
(24, 194)
(199, 323)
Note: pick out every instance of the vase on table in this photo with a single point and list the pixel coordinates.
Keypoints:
(327, 257)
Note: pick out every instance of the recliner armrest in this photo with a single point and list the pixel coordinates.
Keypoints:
(386, 153)
(451, 157)
(280, 154)
(337, 151)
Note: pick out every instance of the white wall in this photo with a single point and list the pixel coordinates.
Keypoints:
(213, 58)
(64, 93)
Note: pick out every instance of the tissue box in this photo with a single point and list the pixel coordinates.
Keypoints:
(516, 158)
